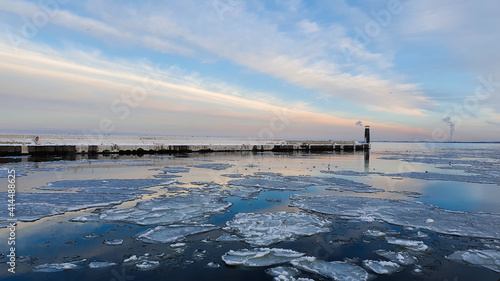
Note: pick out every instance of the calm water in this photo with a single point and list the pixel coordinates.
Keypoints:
(56, 240)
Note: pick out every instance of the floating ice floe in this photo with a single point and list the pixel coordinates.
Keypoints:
(336, 270)
(260, 257)
(382, 267)
(32, 206)
(232, 175)
(268, 174)
(412, 194)
(345, 173)
(120, 186)
(166, 176)
(147, 265)
(402, 258)
(275, 181)
(143, 262)
(243, 191)
(213, 166)
(228, 238)
(4, 173)
(485, 258)
(263, 229)
(416, 246)
(374, 233)
(282, 273)
(175, 170)
(169, 234)
(179, 209)
(199, 254)
(448, 177)
(403, 213)
(101, 264)
(92, 236)
(113, 242)
(271, 183)
(56, 267)
(213, 265)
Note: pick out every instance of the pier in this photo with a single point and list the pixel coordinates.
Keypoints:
(16, 145)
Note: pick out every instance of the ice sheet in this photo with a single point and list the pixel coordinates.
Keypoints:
(101, 264)
(448, 177)
(416, 246)
(295, 183)
(213, 166)
(285, 273)
(260, 257)
(4, 172)
(175, 170)
(34, 206)
(169, 234)
(113, 242)
(402, 258)
(336, 270)
(232, 175)
(403, 213)
(382, 267)
(271, 183)
(129, 186)
(180, 209)
(263, 229)
(485, 258)
(345, 173)
(56, 267)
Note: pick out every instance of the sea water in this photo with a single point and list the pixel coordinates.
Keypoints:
(403, 211)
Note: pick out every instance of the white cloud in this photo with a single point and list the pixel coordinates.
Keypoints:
(250, 40)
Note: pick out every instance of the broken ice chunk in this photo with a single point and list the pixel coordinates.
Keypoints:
(282, 273)
(243, 191)
(121, 186)
(374, 233)
(345, 173)
(260, 257)
(169, 234)
(336, 270)
(55, 267)
(175, 170)
(282, 270)
(263, 229)
(185, 209)
(113, 242)
(382, 267)
(213, 166)
(213, 265)
(402, 258)
(147, 265)
(404, 213)
(232, 175)
(101, 264)
(485, 258)
(271, 183)
(417, 246)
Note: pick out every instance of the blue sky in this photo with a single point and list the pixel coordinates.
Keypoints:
(412, 70)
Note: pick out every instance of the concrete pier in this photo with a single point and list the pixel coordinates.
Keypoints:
(14, 145)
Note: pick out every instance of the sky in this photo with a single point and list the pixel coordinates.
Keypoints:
(411, 70)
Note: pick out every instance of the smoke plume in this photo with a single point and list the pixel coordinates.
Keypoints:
(448, 121)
